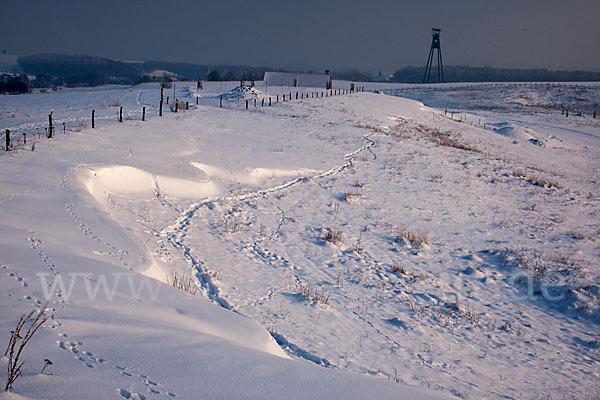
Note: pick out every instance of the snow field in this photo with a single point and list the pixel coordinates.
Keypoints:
(365, 232)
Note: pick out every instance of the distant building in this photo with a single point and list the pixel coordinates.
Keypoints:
(293, 79)
(381, 78)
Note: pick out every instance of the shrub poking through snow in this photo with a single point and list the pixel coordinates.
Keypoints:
(414, 238)
(17, 343)
(537, 180)
(182, 282)
(313, 295)
(444, 139)
(399, 269)
(333, 235)
(349, 196)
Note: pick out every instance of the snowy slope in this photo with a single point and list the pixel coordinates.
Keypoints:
(87, 209)
(363, 232)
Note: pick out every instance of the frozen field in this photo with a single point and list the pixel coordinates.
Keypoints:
(390, 249)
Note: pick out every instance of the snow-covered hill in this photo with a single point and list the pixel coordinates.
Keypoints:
(390, 243)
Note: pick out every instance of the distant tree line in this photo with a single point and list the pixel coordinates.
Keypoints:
(463, 73)
(352, 74)
(231, 73)
(14, 84)
(52, 70)
(74, 71)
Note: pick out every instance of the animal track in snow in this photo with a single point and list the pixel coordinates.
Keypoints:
(92, 360)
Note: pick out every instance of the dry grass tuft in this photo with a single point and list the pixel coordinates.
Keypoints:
(313, 295)
(333, 235)
(399, 269)
(537, 180)
(444, 139)
(349, 196)
(413, 237)
(17, 343)
(182, 282)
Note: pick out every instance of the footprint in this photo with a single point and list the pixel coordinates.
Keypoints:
(128, 395)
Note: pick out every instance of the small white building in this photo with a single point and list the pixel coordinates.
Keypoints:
(293, 79)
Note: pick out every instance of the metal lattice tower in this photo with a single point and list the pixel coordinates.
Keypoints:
(435, 44)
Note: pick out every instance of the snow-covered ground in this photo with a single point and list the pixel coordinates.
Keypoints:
(390, 249)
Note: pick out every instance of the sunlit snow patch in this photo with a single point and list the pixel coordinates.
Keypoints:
(250, 175)
(134, 182)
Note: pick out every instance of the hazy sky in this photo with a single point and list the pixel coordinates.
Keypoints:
(369, 35)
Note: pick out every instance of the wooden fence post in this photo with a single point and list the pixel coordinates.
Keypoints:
(8, 140)
(64, 127)
(121, 114)
(24, 138)
(221, 102)
(93, 122)
(254, 103)
(197, 97)
(161, 100)
(176, 105)
(50, 123)
(187, 105)
(144, 114)
(269, 101)
(246, 104)
(284, 97)
(263, 103)
(296, 95)
(278, 98)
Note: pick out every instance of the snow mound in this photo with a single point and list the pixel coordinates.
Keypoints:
(251, 175)
(245, 92)
(134, 182)
(516, 132)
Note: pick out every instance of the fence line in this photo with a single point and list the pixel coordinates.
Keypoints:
(20, 139)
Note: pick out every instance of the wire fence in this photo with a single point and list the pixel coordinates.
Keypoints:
(26, 137)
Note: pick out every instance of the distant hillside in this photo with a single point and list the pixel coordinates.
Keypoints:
(52, 70)
(79, 70)
(187, 71)
(463, 73)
